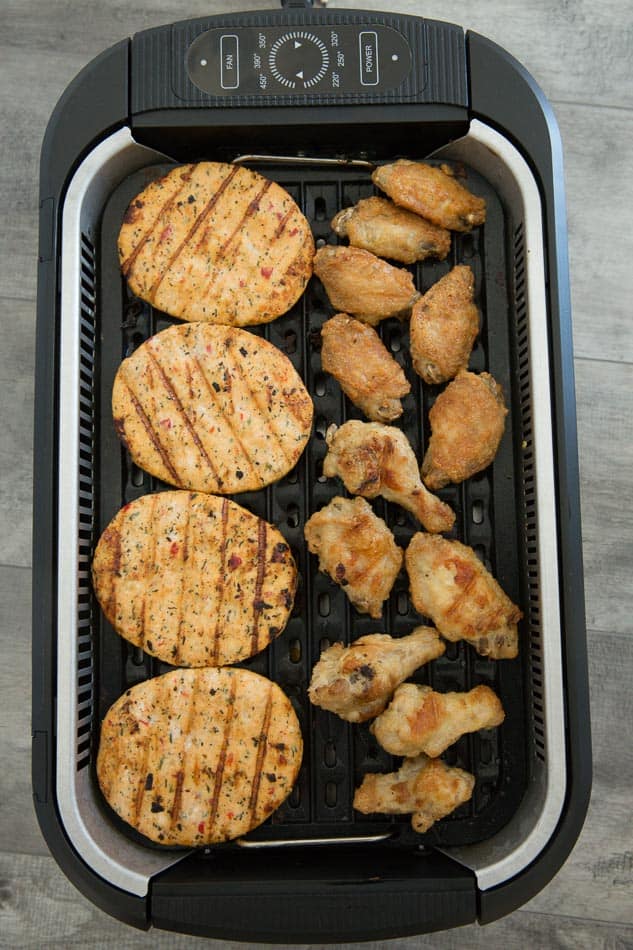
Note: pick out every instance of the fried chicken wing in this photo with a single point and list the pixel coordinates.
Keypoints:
(379, 226)
(450, 585)
(444, 324)
(467, 422)
(355, 682)
(431, 192)
(420, 720)
(362, 284)
(429, 788)
(373, 459)
(356, 356)
(357, 549)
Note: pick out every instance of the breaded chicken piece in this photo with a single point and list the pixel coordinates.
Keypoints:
(467, 422)
(431, 192)
(357, 549)
(379, 226)
(444, 324)
(372, 459)
(368, 375)
(429, 788)
(450, 585)
(420, 720)
(355, 682)
(362, 284)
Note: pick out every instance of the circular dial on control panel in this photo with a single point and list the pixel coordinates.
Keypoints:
(298, 60)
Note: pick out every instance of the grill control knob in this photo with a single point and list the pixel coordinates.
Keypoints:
(298, 60)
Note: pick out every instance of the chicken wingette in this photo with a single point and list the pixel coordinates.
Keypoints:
(467, 423)
(368, 375)
(451, 586)
(444, 324)
(431, 192)
(357, 549)
(379, 226)
(362, 284)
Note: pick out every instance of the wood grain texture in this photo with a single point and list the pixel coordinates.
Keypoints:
(19, 830)
(39, 908)
(580, 55)
(16, 386)
(605, 436)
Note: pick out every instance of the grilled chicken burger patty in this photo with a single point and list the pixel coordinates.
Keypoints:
(216, 243)
(194, 579)
(199, 756)
(212, 409)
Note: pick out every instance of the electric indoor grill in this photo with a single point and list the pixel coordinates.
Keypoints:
(313, 99)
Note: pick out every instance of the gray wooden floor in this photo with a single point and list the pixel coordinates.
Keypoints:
(581, 54)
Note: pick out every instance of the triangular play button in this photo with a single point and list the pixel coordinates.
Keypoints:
(298, 44)
(299, 75)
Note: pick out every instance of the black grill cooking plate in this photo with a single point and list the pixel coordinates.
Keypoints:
(338, 754)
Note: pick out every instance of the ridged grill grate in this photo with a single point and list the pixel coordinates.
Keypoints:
(86, 508)
(532, 606)
(337, 754)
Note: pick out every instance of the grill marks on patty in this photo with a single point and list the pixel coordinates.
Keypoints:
(198, 756)
(204, 214)
(194, 579)
(151, 432)
(168, 187)
(212, 409)
(216, 243)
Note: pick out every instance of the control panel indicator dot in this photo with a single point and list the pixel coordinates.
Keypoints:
(203, 62)
(395, 58)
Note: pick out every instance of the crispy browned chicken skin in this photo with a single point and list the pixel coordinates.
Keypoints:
(444, 324)
(420, 720)
(379, 226)
(368, 375)
(467, 423)
(357, 549)
(428, 788)
(373, 459)
(362, 284)
(450, 585)
(431, 192)
(355, 682)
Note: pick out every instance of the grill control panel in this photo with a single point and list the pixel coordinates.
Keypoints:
(339, 60)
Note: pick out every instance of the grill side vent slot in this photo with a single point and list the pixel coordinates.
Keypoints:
(532, 607)
(85, 475)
